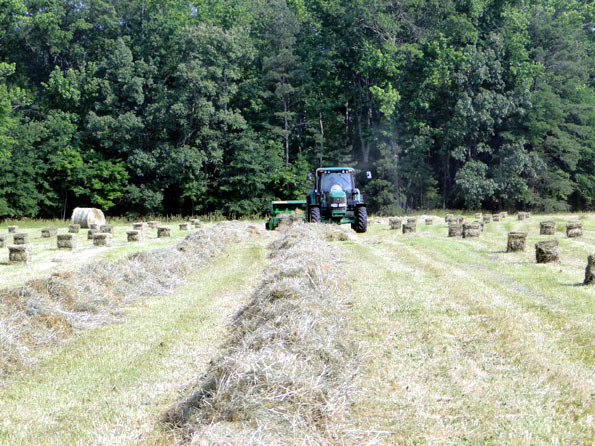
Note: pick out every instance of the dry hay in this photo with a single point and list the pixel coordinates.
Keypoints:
(547, 227)
(409, 227)
(95, 226)
(516, 241)
(478, 216)
(184, 226)
(522, 216)
(574, 229)
(91, 233)
(429, 221)
(449, 218)
(135, 235)
(455, 230)
(547, 251)
(395, 223)
(163, 231)
(44, 311)
(107, 229)
(74, 229)
(86, 217)
(49, 232)
(139, 226)
(19, 253)
(496, 217)
(20, 238)
(472, 229)
(590, 270)
(13, 229)
(460, 219)
(2, 241)
(102, 239)
(487, 218)
(66, 241)
(287, 371)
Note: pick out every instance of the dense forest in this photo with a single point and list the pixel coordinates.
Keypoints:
(190, 107)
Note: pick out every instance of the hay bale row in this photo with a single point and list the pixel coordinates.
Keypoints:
(284, 376)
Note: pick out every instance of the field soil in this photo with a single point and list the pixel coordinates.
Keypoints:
(458, 343)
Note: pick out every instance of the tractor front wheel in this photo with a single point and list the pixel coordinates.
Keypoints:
(361, 216)
(314, 216)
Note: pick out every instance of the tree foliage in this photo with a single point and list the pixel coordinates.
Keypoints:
(182, 107)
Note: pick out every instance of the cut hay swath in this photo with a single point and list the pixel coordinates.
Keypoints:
(46, 311)
(286, 373)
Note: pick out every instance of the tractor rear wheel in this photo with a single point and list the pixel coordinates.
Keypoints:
(314, 216)
(361, 216)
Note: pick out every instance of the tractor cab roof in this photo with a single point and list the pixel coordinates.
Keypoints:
(335, 169)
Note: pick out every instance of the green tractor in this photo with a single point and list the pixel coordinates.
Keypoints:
(334, 199)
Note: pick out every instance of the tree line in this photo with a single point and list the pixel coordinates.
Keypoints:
(184, 107)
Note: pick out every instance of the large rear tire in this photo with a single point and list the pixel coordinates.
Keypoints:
(314, 214)
(361, 215)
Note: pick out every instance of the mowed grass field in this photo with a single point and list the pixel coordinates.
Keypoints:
(462, 343)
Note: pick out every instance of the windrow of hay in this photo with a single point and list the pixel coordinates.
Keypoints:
(45, 311)
(287, 371)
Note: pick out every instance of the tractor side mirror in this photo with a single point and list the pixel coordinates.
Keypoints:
(368, 175)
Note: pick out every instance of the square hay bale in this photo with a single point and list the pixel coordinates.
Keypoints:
(13, 229)
(139, 226)
(455, 230)
(503, 215)
(395, 223)
(516, 241)
(522, 215)
(49, 232)
(547, 227)
(449, 218)
(74, 229)
(194, 221)
(429, 221)
(102, 239)
(91, 233)
(66, 241)
(163, 231)
(21, 238)
(135, 235)
(590, 270)
(106, 229)
(411, 219)
(2, 241)
(184, 226)
(460, 219)
(487, 218)
(19, 253)
(480, 223)
(478, 216)
(95, 226)
(471, 230)
(574, 229)
(496, 217)
(154, 224)
(547, 251)
(409, 227)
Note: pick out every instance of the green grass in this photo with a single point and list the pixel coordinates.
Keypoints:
(471, 345)
(110, 385)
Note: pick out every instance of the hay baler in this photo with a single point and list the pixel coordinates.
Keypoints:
(285, 212)
(334, 199)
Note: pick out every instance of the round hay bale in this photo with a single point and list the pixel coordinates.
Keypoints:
(574, 229)
(487, 218)
(395, 223)
(2, 241)
(478, 216)
(516, 241)
(154, 224)
(471, 230)
(12, 229)
(590, 270)
(106, 229)
(163, 231)
(429, 221)
(547, 227)
(139, 226)
(91, 233)
(135, 235)
(455, 230)
(21, 238)
(102, 239)
(409, 227)
(85, 217)
(49, 232)
(496, 217)
(19, 253)
(184, 226)
(74, 229)
(66, 241)
(547, 251)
